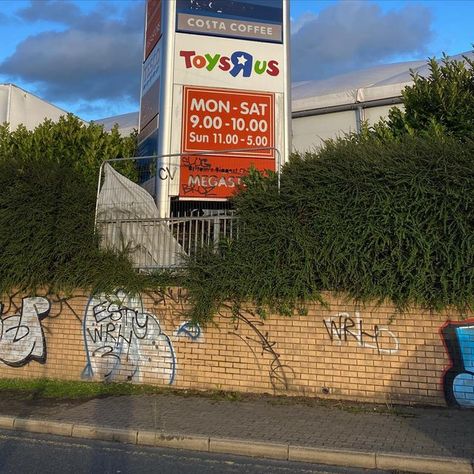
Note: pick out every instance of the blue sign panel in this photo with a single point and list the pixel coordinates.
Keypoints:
(256, 20)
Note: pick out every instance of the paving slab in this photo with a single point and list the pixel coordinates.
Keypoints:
(272, 425)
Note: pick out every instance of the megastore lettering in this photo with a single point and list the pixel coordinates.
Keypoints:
(214, 181)
(238, 62)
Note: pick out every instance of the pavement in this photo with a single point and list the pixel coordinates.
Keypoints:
(412, 439)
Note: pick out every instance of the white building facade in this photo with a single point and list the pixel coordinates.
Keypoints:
(20, 107)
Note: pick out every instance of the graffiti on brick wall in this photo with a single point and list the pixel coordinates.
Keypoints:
(190, 330)
(260, 343)
(343, 328)
(21, 335)
(122, 341)
(174, 295)
(458, 379)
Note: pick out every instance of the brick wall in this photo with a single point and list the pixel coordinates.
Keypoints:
(342, 351)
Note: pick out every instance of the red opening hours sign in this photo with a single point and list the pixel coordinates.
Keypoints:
(224, 119)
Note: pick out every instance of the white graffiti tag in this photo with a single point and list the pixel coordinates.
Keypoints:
(122, 341)
(342, 328)
(21, 335)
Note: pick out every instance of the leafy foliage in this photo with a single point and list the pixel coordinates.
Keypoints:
(441, 103)
(69, 141)
(48, 185)
(371, 219)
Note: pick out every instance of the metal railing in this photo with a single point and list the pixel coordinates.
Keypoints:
(165, 243)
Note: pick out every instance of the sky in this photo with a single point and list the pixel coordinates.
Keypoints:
(85, 55)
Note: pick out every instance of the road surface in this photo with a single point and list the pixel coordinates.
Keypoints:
(25, 453)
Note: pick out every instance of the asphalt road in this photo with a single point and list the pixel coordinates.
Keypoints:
(30, 453)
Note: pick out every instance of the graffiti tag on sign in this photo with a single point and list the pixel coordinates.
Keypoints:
(121, 340)
(21, 335)
(224, 120)
(343, 328)
(215, 177)
(458, 379)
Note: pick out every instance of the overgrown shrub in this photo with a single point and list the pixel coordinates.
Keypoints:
(373, 220)
(81, 146)
(441, 103)
(48, 184)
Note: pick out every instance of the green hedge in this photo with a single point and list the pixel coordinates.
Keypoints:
(47, 231)
(69, 141)
(372, 220)
(48, 185)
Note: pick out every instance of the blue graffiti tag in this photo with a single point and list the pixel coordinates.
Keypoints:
(459, 378)
(189, 329)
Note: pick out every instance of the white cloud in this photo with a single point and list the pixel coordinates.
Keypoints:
(355, 34)
(94, 58)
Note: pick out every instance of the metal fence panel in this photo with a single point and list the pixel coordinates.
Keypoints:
(165, 243)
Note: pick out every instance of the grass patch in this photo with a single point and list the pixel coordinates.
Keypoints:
(61, 389)
(35, 389)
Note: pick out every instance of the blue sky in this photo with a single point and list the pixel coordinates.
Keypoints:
(84, 55)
